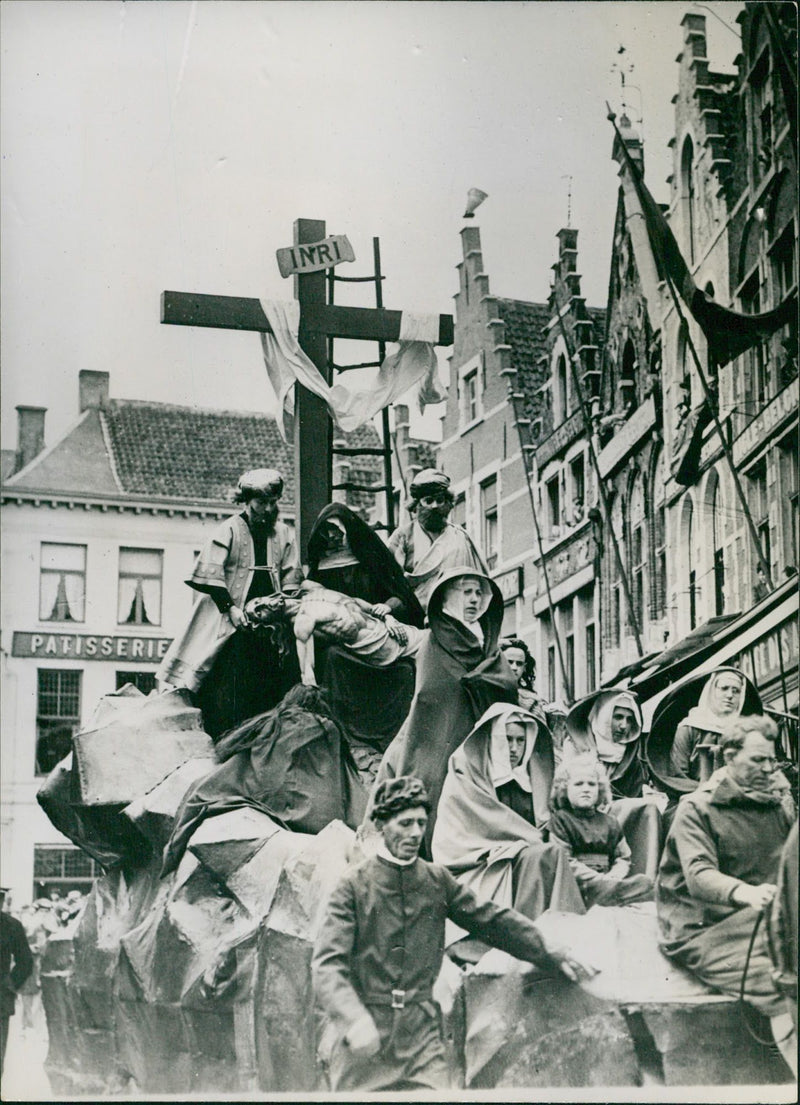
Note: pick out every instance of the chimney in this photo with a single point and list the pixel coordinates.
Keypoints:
(92, 389)
(30, 434)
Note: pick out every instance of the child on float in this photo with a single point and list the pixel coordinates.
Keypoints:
(582, 824)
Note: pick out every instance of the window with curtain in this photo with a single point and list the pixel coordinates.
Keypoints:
(139, 598)
(58, 715)
(62, 586)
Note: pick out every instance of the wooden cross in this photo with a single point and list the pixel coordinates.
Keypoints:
(313, 440)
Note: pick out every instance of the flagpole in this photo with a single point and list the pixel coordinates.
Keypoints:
(587, 422)
(611, 115)
(565, 682)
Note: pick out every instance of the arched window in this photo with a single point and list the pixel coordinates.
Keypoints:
(687, 545)
(638, 550)
(659, 582)
(616, 595)
(717, 511)
(627, 380)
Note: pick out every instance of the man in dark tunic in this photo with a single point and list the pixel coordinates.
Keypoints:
(14, 949)
(247, 556)
(381, 946)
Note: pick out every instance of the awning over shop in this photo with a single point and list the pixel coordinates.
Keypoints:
(763, 641)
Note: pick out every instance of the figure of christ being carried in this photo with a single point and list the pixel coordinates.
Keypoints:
(366, 630)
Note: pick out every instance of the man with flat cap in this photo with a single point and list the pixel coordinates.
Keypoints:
(381, 946)
(249, 555)
(429, 544)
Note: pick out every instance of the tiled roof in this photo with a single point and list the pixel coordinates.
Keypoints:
(158, 449)
(524, 332)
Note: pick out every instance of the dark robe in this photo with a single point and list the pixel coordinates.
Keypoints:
(458, 678)
(371, 703)
(250, 674)
(292, 764)
(383, 935)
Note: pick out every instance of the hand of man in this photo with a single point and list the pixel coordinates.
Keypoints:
(759, 897)
(396, 630)
(237, 617)
(380, 610)
(577, 970)
(363, 1038)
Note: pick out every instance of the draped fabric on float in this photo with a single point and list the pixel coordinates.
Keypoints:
(414, 361)
(728, 333)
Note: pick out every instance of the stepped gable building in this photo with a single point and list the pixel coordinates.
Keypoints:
(494, 408)
(628, 425)
(733, 211)
(566, 492)
(99, 532)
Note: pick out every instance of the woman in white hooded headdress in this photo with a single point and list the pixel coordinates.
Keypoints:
(721, 700)
(608, 724)
(493, 813)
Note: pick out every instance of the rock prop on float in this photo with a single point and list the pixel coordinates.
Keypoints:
(287, 1028)
(154, 813)
(132, 743)
(633, 1024)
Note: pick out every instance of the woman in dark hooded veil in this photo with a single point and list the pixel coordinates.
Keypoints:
(345, 555)
(460, 673)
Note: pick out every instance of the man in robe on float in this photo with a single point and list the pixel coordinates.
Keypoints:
(249, 555)
(429, 545)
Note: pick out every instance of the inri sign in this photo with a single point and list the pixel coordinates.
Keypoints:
(313, 256)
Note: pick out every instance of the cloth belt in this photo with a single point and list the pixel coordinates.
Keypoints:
(591, 859)
(399, 999)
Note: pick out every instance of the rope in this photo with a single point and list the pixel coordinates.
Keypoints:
(742, 1003)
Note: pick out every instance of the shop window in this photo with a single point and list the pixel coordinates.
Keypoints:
(139, 597)
(144, 681)
(489, 515)
(57, 869)
(62, 586)
(58, 715)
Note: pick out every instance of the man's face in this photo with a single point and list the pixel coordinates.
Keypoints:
(623, 723)
(433, 509)
(263, 509)
(403, 833)
(515, 735)
(752, 765)
(516, 661)
(473, 597)
(725, 696)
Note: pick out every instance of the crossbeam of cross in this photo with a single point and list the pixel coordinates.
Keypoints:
(319, 321)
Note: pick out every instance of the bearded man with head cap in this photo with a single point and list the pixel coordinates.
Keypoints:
(249, 555)
(381, 946)
(429, 545)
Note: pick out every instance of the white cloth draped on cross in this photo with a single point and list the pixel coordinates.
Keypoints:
(413, 362)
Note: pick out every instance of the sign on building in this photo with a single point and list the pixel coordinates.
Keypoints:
(88, 646)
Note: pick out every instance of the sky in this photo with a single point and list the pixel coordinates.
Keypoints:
(171, 145)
